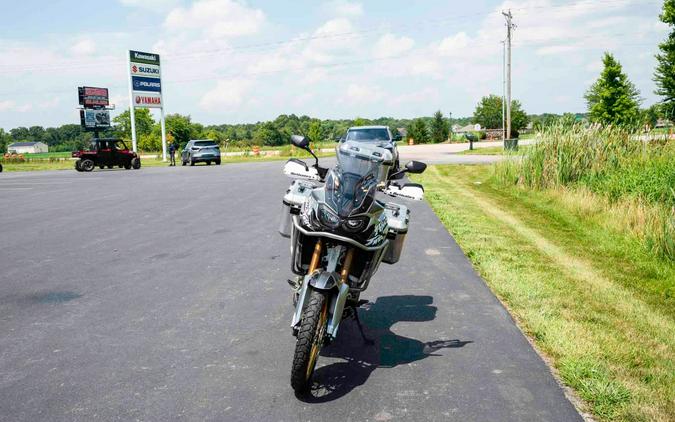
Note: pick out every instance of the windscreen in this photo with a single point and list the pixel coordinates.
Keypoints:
(351, 185)
(205, 144)
(370, 134)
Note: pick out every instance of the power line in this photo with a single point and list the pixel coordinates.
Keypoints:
(415, 26)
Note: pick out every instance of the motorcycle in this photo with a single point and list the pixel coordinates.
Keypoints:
(339, 234)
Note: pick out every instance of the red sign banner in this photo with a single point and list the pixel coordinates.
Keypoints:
(90, 96)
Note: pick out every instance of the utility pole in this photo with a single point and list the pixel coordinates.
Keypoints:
(503, 90)
(510, 26)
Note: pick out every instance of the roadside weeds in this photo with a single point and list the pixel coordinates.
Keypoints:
(608, 338)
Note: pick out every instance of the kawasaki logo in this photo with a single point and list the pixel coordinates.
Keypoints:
(145, 56)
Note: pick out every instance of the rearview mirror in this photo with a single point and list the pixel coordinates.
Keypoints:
(412, 191)
(300, 141)
(415, 167)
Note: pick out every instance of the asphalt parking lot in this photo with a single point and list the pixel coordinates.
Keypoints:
(160, 294)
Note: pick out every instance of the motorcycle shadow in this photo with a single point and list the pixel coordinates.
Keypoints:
(335, 380)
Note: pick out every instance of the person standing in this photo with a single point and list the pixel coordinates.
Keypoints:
(172, 153)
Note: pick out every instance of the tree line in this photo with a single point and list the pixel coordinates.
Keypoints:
(181, 128)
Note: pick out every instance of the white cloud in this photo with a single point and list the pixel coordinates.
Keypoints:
(364, 94)
(389, 45)
(345, 8)
(85, 47)
(9, 105)
(153, 5)
(6, 105)
(453, 45)
(217, 18)
(227, 94)
(558, 49)
(331, 41)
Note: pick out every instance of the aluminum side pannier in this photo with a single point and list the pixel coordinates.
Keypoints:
(398, 217)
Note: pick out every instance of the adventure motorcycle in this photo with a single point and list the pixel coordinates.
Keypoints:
(340, 232)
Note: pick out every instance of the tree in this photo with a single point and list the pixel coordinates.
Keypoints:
(488, 113)
(418, 131)
(439, 128)
(180, 127)
(649, 116)
(144, 123)
(360, 121)
(664, 74)
(316, 132)
(5, 139)
(268, 134)
(613, 99)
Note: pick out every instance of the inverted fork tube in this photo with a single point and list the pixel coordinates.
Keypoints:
(316, 256)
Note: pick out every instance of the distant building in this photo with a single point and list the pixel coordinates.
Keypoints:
(661, 123)
(27, 148)
(460, 130)
(403, 132)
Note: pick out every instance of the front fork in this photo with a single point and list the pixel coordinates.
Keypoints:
(333, 283)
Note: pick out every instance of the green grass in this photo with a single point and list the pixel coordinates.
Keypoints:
(612, 163)
(51, 164)
(601, 307)
(497, 150)
(64, 154)
(483, 151)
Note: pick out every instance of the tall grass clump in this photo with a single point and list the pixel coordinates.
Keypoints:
(636, 177)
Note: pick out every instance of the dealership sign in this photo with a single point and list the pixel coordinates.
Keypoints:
(145, 79)
(147, 99)
(94, 118)
(145, 90)
(144, 70)
(140, 83)
(90, 96)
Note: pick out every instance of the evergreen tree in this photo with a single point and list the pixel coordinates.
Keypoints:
(418, 131)
(664, 75)
(613, 99)
(439, 128)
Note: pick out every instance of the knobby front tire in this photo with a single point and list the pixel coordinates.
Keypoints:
(310, 338)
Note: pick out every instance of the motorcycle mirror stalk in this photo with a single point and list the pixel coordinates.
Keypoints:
(414, 167)
(303, 143)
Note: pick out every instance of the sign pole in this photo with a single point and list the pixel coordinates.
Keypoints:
(161, 111)
(132, 115)
(161, 121)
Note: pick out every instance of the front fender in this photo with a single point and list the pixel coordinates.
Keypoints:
(320, 281)
(325, 281)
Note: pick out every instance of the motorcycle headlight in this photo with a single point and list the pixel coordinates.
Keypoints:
(327, 217)
(355, 224)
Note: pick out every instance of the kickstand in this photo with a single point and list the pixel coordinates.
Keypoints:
(363, 334)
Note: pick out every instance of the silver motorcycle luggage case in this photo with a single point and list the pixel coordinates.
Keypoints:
(398, 217)
(296, 194)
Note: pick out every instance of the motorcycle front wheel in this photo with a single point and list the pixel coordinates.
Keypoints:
(310, 339)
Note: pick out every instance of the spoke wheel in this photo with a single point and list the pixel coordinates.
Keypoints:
(310, 339)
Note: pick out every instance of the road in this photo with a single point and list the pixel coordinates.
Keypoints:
(447, 153)
(160, 295)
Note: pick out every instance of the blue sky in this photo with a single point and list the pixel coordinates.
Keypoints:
(229, 61)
